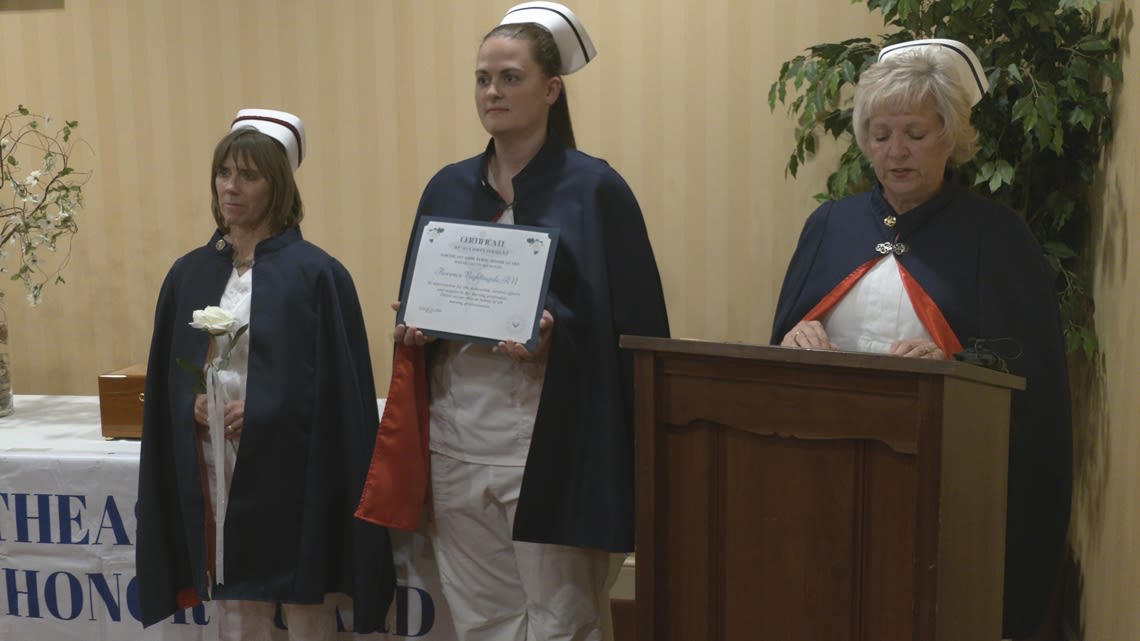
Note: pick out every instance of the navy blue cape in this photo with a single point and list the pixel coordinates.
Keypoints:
(986, 273)
(578, 482)
(310, 423)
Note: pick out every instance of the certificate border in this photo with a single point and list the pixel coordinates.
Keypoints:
(410, 268)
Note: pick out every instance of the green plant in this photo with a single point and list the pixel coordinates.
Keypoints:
(40, 194)
(1042, 126)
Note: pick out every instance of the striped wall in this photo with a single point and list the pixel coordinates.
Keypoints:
(676, 101)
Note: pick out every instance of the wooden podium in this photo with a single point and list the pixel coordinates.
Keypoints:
(796, 495)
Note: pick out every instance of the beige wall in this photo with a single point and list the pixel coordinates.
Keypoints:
(677, 102)
(1106, 518)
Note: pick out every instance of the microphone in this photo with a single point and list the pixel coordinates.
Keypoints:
(986, 352)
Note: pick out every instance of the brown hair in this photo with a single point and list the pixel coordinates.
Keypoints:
(545, 52)
(269, 158)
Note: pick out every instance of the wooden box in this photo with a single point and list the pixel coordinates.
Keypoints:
(121, 402)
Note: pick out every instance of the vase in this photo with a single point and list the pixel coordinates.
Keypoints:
(5, 372)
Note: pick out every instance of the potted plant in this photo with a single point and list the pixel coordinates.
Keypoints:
(1042, 126)
(40, 194)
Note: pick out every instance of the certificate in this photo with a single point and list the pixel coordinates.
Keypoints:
(478, 282)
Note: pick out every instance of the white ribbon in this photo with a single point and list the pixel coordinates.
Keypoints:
(216, 413)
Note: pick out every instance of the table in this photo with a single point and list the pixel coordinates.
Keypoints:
(67, 527)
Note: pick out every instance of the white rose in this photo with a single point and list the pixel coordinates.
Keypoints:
(214, 320)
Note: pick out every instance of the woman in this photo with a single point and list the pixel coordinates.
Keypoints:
(531, 453)
(919, 265)
(246, 493)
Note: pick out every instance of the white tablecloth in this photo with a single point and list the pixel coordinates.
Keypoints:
(59, 425)
(67, 527)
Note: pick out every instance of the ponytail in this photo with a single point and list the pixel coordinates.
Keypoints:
(558, 124)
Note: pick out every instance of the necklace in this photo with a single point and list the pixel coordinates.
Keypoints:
(241, 263)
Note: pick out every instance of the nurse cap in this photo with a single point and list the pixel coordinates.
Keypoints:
(282, 126)
(574, 44)
(970, 73)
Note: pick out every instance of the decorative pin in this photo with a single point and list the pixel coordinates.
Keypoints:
(890, 221)
(897, 249)
(220, 245)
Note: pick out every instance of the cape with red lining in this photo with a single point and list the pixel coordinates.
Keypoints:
(985, 271)
(578, 482)
(310, 422)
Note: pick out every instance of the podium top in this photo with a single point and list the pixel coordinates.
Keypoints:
(825, 358)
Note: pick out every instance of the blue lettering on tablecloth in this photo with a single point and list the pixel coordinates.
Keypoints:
(60, 519)
(66, 596)
(404, 624)
(81, 520)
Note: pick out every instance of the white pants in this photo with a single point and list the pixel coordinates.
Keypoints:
(503, 590)
(253, 620)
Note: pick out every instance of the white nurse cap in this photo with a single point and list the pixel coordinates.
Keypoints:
(574, 44)
(282, 126)
(970, 73)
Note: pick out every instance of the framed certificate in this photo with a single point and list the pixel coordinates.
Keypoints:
(477, 282)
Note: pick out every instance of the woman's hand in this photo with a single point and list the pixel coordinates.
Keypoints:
(519, 352)
(408, 335)
(809, 335)
(201, 414)
(916, 348)
(233, 416)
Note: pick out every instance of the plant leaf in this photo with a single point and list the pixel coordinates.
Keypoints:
(196, 372)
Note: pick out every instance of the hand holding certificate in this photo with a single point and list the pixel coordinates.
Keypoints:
(478, 282)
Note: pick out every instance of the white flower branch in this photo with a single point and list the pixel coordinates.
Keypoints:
(40, 213)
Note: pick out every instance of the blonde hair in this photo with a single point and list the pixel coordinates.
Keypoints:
(905, 81)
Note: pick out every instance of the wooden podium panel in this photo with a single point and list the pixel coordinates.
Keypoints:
(792, 495)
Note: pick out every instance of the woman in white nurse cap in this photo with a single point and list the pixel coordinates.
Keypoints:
(543, 35)
(531, 457)
(270, 144)
(920, 264)
(292, 391)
